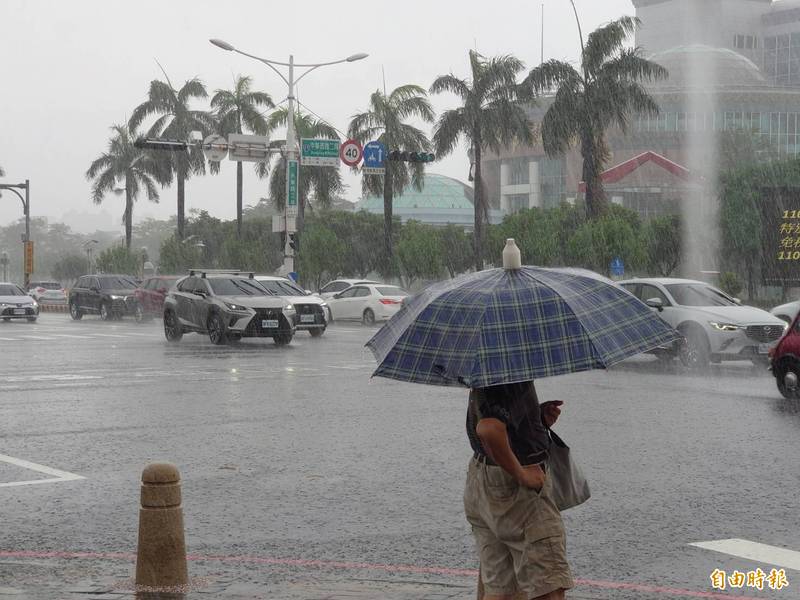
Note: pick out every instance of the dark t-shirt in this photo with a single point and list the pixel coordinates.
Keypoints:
(517, 406)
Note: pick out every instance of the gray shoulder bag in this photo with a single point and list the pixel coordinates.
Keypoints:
(568, 485)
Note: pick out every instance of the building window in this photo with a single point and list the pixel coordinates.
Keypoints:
(745, 42)
(552, 176)
(518, 173)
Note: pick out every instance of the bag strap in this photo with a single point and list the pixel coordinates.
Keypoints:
(556, 439)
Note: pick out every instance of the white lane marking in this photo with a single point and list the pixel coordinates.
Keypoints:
(76, 337)
(57, 475)
(9, 339)
(64, 377)
(773, 555)
(112, 335)
(36, 337)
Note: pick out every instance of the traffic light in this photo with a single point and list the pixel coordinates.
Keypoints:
(294, 241)
(414, 157)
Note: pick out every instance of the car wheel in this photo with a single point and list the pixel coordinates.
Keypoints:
(172, 329)
(283, 339)
(788, 367)
(368, 318)
(695, 352)
(315, 333)
(216, 330)
(105, 312)
(75, 312)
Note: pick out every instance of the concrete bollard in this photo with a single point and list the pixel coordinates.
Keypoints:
(161, 555)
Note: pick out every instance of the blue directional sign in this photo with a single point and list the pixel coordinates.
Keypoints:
(617, 267)
(374, 157)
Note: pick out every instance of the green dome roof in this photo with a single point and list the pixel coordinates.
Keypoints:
(439, 193)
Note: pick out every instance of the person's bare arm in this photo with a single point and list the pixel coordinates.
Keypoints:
(494, 439)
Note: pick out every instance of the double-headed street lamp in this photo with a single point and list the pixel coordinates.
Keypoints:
(291, 142)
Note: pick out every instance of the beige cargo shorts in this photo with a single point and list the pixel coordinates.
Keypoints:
(518, 531)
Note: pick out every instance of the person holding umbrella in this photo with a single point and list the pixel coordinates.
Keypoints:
(495, 332)
(517, 526)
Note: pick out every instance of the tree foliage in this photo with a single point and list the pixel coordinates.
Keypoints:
(67, 270)
(385, 120)
(124, 164)
(605, 90)
(237, 111)
(175, 119)
(490, 117)
(419, 252)
(664, 249)
(119, 259)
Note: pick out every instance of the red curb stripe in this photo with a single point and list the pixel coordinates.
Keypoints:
(325, 564)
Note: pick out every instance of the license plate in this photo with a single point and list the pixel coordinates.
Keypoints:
(764, 348)
(19, 311)
(306, 318)
(269, 324)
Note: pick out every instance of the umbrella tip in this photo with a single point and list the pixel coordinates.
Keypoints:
(512, 259)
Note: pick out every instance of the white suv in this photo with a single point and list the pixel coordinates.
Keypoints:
(716, 327)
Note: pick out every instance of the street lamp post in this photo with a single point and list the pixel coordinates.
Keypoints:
(291, 142)
(87, 245)
(26, 210)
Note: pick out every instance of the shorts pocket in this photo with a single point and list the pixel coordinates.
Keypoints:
(502, 491)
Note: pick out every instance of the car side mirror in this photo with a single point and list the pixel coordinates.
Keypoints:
(309, 292)
(336, 296)
(738, 301)
(656, 303)
(94, 289)
(200, 293)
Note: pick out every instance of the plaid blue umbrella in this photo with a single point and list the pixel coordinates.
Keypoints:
(505, 326)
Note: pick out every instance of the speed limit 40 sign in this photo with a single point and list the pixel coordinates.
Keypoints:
(350, 152)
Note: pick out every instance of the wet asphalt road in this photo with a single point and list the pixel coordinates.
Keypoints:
(295, 454)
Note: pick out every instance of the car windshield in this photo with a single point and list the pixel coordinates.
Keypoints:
(237, 287)
(282, 287)
(10, 290)
(698, 294)
(391, 290)
(117, 283)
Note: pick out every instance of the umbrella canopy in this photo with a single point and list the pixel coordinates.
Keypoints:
(510, 325)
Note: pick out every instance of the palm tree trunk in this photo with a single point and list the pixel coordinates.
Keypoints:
(128, 213)
(477, 236)
(181, 183)
(595, 195)
(387, 215)
(239, 199)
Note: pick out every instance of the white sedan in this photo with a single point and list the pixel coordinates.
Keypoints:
(330, 289)
(787, 312)
(367, 303)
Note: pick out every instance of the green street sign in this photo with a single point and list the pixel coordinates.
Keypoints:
(292, 184)
(319, 152)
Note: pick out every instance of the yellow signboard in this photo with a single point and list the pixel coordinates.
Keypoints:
(28, 257)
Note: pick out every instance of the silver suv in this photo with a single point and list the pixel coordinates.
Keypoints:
(227, 307)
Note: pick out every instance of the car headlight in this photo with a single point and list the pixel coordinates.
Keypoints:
(725, 326)
(785, 327)
(35, 304)
(288, 308)
(237, 307)
(324, 305)
(113, 297)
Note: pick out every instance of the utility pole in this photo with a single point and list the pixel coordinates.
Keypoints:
(26, 237)
(4, 262)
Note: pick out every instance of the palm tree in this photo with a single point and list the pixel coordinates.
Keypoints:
(384, 121)
(605, 92)
(236, 110)
(324, 182)
(124, 163)
(176, 121)
(490, 116)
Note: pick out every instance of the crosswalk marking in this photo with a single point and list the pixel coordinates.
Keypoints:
(56, 474)
(763, 553)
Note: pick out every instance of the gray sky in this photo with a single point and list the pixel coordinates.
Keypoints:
(71, 69)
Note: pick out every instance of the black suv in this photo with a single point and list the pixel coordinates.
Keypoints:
(110, 296)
